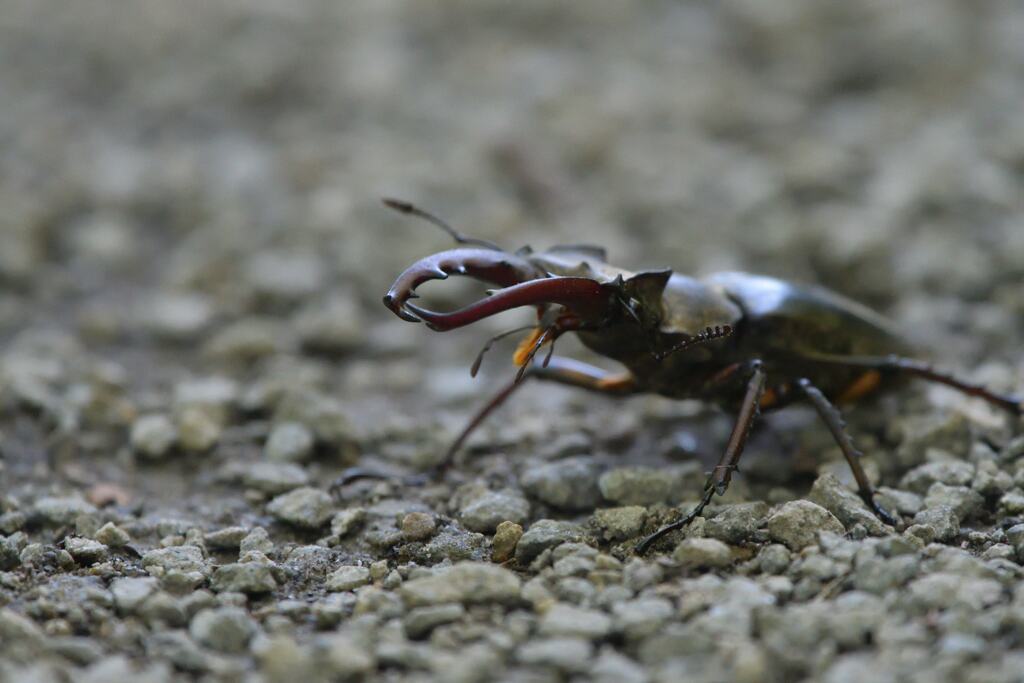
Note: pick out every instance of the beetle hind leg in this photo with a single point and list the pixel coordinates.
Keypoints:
(830, 415)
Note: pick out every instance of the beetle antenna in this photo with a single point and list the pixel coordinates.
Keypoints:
(413, 210)
(709, 334)
(475, 368)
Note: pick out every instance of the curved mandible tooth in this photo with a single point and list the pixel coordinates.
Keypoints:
(488, 265)
(582, 295)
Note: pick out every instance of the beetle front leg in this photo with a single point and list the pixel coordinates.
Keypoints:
(829, 414)
(559, 370)
(721, 475)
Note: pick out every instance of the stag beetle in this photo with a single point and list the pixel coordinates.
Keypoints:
(745, 342)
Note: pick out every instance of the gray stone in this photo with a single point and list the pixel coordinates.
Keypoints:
(17, 628)
(565, 654)
(290, 442)
(12, 521)
(225, 629)
(774, 558)
(153, 436)
(247, 340)
(344, 522)
(85, 550)
(943, 590)
(182, 558)
(78, 649)
(228, 538)
(419, 622)
(418, 526)
(245, 577)
(846, 505)
(636, 486)
(177, 317)
(506, 537)
(620, 523)
(162, 609)
(334, 326)
(10, 555)
(897, 501)
(341, 657)
(698, 553)
(949, 472)
(615, 667)
(131, 592)
(568, 620)
(198, 428)
(347, 578)
(966, 503)
(569, 484)
(324, 415)
(798, 523)
(737, 524)
(466, 583)
(284, 276)
(942, 520)
(113, 536)
(544, 534)
(640, 618)
(879, 575)
(257, 540)
(216, 394)
(1012, 502)
(484, 513)
(304, 507)
(274, 478)
(60, 511)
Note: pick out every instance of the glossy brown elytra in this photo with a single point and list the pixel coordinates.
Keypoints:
(745, 342)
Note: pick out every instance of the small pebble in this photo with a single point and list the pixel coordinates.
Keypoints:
(153, 436)
(798, 523)
(347, 578)
(418, 526)
(700, 553)
(290, 442)
(506, 537)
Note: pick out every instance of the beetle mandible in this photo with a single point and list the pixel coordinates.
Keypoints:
(745, 342)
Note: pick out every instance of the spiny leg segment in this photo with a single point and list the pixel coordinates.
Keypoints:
(721, 475)
(832, 418)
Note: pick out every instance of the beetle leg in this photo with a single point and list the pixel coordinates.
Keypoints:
(830, 415)
(721, 475)
(561, 370)
(916, 368)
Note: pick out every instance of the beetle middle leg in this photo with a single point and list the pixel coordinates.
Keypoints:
(896, 365)
(721, 475)
(830, 415)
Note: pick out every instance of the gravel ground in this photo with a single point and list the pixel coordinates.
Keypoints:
(192, 345)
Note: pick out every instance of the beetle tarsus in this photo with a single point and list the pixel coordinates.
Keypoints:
(643, 546)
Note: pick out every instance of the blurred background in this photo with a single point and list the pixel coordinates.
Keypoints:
(206, 148)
